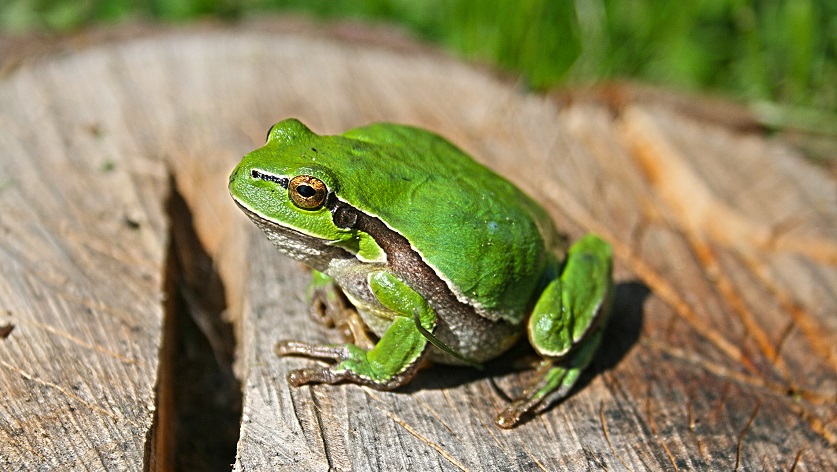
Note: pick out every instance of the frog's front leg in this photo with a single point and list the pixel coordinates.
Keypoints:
(566, 326)
(392, 362)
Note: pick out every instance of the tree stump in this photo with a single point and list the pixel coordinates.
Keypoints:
(129, 281)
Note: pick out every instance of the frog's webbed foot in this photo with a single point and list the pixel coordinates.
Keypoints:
(553, 382)
(300, 377)
(330, 307)
(352, 364)
(327, 304)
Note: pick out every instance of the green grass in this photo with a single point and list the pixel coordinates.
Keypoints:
(781, 52)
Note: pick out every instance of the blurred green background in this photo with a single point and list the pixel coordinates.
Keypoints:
(780, 54)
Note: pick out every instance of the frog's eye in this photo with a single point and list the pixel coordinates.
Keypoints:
(308, 193)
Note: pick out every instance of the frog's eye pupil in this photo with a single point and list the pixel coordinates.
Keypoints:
(307, 192)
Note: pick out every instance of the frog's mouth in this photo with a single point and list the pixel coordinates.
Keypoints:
(311, 250)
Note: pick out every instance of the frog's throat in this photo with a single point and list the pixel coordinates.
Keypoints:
(314, 252)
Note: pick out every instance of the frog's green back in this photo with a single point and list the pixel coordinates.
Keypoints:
(475, 227)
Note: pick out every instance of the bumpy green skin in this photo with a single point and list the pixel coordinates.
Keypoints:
(449, 207)
(567, 309)
(486, 254)
(438, 197)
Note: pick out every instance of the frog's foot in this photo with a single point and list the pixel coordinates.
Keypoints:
(299, 377)
(327, 303)
(330, 307)
(352, 364)
(553, 383)
(323, 309)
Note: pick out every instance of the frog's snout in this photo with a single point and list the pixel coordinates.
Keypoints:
(234, 175)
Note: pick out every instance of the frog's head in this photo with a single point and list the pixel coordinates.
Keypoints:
(286, 188)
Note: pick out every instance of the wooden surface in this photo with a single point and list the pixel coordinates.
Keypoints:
(722, 353)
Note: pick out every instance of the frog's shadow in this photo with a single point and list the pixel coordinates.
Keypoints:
(621, 334)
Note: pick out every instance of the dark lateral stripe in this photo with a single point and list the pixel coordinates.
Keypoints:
(257, 174)
(401, 257)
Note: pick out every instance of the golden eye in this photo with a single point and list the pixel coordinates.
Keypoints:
(308, 193)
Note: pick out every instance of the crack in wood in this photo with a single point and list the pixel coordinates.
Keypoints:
(447, 455)
(199, 399)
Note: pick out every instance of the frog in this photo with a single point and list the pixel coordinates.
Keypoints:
(441, 259)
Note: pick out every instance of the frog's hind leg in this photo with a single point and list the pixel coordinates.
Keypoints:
(566, 326)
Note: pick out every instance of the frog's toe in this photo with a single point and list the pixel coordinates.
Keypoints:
(297, 348)
(511, 416)
(299, 377)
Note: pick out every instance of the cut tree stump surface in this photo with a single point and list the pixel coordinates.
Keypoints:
(721, 353)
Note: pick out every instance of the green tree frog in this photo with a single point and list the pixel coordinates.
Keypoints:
(443, 259)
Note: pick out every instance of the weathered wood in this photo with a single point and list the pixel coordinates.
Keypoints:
(81, 279)
(721, 353)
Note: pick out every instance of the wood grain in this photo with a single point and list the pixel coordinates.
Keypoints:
(721, 354)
